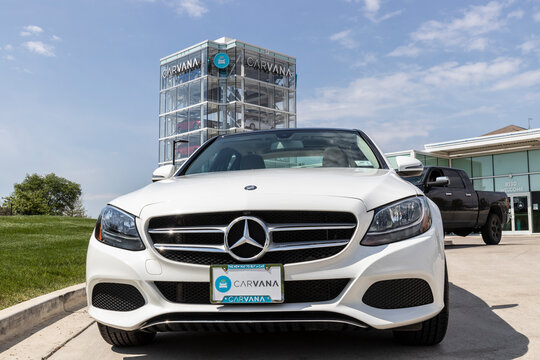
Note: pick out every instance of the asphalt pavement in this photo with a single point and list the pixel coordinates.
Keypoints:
(494, 314)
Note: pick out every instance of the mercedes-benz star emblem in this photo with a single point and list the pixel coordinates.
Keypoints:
(246, 238)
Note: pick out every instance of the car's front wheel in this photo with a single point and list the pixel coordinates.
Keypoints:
(433, 330)
(123, 338)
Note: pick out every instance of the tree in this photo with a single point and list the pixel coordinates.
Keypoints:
(45, 195)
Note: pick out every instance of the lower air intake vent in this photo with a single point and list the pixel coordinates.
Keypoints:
(116, 297)
(398, 294)
(295, 291)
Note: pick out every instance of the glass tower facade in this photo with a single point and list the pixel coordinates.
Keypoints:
(219, 87)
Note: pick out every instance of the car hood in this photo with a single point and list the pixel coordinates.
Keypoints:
(226, 190)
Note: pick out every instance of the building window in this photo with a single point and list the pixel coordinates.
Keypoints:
(182, 124)
(194, 122)
(511, 163)
(170, 100)
(279, 99)
(182, 96)
(514, 184)
(211, 116)
(483, 184)
(264, 95)
(251, 92)
(279, 121)
(463, 164)
(292, 121)
(252, 119)
(534, 160)
(443, 162)
(195, 92)
(535, 182)
(430, 161)
(482, 166)
(171, 125)
(161, 126)
(292, 101)
(162, 103)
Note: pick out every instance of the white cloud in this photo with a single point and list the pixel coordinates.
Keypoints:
(453, 74)
(407, 50)
(516, 14)
(529, 46)
(396, 98)
(372, 6)
(364, 60)
(345, 39)
(526, 79)
(31, 30)
(465, 30)
(475, 111)
(362, 98)
(536, 16)
(371, 10)
(9, 57)
(193, 8)
(8, 47)
(56, 38)
(39, 47)
(478, 44)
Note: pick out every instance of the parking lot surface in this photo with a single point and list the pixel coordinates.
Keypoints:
(494, 314)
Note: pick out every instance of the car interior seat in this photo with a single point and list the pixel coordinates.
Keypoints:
(335, 157)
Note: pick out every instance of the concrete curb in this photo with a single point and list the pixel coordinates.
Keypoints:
(20, 318)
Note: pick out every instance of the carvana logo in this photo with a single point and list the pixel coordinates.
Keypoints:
(221, 60)
(223, 284)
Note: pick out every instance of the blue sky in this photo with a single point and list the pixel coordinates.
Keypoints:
(79, 80)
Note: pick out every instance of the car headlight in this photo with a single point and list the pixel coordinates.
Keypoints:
(398, 221)
(117, 228)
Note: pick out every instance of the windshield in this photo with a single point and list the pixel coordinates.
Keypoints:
(285, 149)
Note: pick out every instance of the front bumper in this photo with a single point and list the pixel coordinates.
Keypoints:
(421, 257)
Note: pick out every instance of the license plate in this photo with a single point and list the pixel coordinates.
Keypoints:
(246, 284)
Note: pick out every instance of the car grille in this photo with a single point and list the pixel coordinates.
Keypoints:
(297, 291)
(398, 294)
(295, 236)
(116, 297)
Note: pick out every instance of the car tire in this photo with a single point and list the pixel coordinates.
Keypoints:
(492, 230)
(123, 338)
(433, 330)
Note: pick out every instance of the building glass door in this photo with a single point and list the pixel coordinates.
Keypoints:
(520, 213)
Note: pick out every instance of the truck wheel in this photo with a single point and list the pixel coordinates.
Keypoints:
(492, 230)
(123, 338)
(433, 330)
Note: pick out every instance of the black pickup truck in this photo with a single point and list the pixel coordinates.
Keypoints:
(463, 209)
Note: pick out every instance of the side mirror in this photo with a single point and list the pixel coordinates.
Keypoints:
(439, 181)
(163, 172)
(408, 166)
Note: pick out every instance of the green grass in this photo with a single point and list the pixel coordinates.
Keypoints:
(40, 254)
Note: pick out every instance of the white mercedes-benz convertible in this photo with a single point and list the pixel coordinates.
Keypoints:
(272, 230)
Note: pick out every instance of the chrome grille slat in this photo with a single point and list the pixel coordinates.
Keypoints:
(306, 245)
(302, 227)
(189, 230)
(199, 248)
